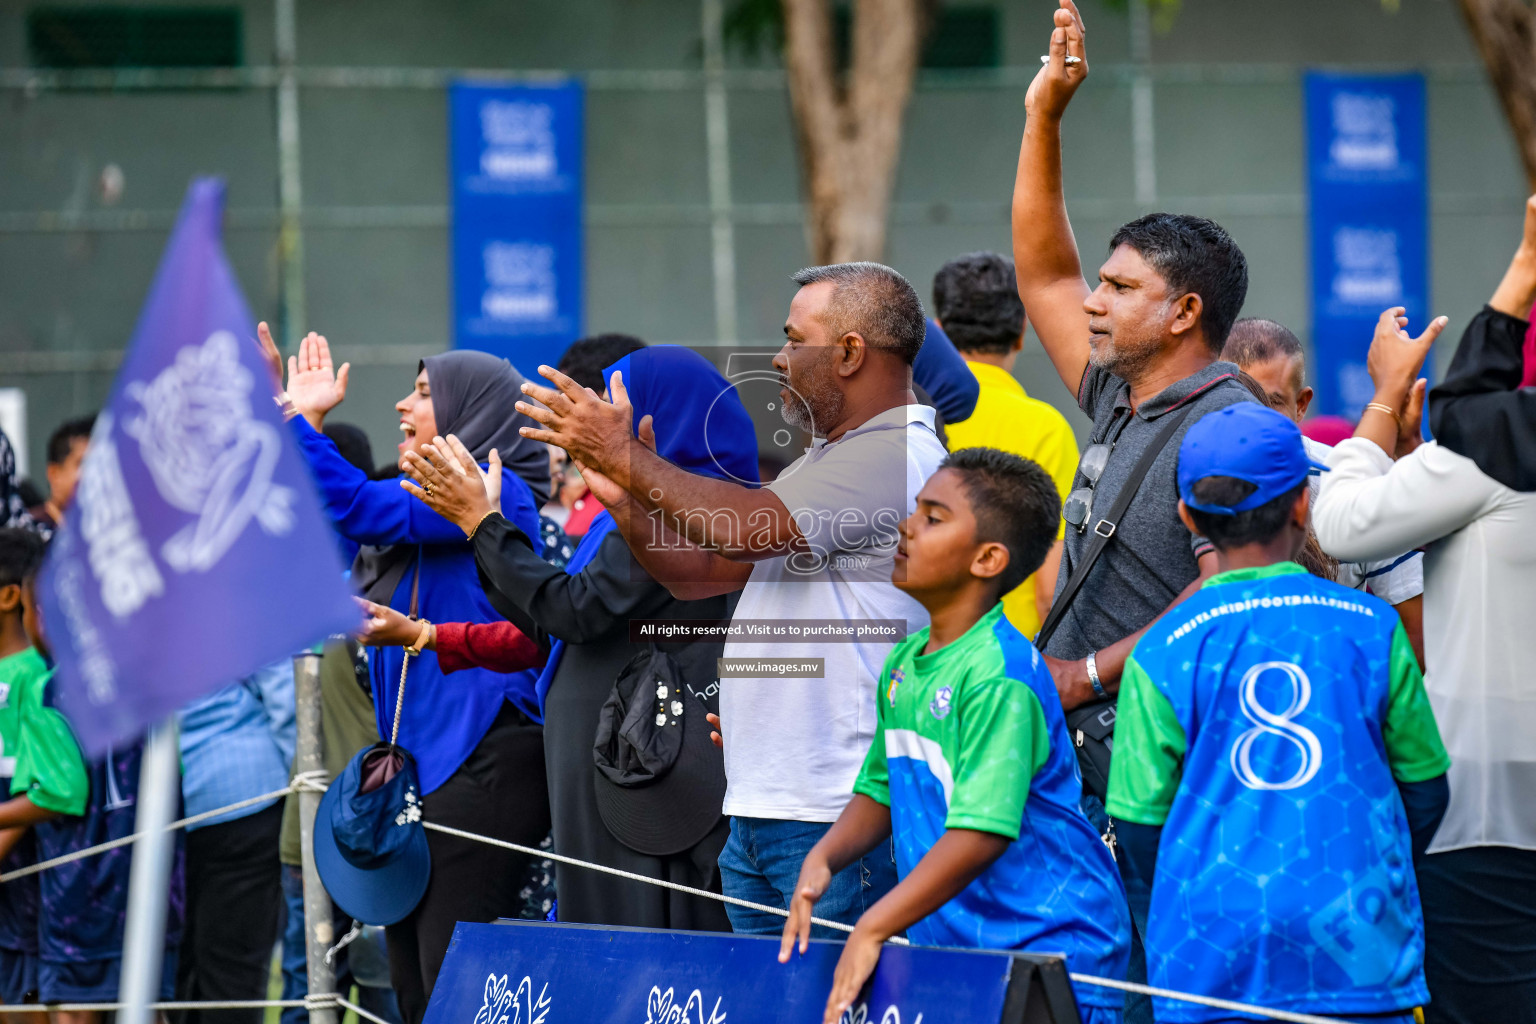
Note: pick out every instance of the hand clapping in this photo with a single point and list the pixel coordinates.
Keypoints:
(595, 432)
(315, 386)
(450, 482)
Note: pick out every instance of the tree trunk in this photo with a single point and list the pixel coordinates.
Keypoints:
(1505, 33)
(850, 135)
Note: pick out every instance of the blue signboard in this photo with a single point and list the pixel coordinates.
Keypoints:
(1368, 176)
(534, 973)
(516, 164)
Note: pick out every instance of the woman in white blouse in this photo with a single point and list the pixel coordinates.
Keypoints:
(1478, 882)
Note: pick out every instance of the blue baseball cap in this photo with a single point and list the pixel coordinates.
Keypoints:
(1249, 442)
(370, 848)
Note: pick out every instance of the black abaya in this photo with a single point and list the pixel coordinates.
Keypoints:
(591, 612)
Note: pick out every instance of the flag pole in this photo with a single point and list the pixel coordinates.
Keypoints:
(150, 878)
(318, 930)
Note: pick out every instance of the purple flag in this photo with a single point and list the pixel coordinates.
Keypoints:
(196, 550)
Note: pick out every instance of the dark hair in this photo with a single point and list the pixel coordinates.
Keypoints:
(1193, 255)
(1254, 526)
(976, 299)
(352, 443)
(587, 358)
(874, 301)
(21, 553)
(1015, 503)
(63, 439)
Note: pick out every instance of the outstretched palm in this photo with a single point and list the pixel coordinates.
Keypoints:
(314, 384)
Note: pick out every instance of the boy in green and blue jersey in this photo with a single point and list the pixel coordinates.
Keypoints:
(67, 803)
(971, 766)
(1277, 766)
(22, 673)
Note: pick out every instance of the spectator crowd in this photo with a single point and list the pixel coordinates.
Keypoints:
(1208, 705)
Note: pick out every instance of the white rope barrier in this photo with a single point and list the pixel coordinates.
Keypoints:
(1190, 997)
(373, 1018)
(632, 876)
(317, 781)
(323, 1002)
(228, 1004)
(91, 851)
(1086, 979)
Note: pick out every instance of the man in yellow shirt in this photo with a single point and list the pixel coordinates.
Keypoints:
(976, 300)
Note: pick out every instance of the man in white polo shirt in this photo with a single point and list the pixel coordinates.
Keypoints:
(815, 546)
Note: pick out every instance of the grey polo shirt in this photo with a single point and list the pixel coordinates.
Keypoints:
(1152, 557)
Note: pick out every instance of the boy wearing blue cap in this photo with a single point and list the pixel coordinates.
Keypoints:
(1277, 764)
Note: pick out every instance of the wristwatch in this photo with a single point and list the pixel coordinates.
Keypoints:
(1093, 676)
(421, 639)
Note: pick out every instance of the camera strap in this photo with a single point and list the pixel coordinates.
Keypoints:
(1104, 530)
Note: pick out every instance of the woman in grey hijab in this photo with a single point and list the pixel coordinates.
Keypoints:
(475, 396)
(475, 735)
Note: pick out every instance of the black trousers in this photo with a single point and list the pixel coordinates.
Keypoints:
(1479, 935)
(499, 791)
(234, 899)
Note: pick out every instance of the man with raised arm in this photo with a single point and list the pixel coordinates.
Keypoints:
(1142, 346)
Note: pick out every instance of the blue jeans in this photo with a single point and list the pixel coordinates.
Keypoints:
(761, 862)
(1138, 894)
(378, 1001)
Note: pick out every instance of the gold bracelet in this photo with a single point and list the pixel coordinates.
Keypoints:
(1381, 407)
(421, 639)
(479, 524)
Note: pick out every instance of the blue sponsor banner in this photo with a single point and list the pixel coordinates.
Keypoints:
(1369, 179)
(534, 973)
(196, 550)
(516, 162)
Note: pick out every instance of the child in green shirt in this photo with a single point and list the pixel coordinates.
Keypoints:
(22, 672)
(72, 804)
(971, 766)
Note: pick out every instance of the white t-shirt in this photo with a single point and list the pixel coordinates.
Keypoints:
(1479, 589)
(1394, 579)
(793, 746)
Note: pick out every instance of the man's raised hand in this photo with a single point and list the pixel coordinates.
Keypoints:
(598, 434)
(1058, 79)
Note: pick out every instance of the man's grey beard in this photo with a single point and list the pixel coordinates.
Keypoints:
(815, 410)
(1127, 365)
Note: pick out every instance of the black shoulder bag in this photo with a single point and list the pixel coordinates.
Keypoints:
(1092, 726)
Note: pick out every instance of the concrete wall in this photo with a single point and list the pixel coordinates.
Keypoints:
(1229, 135)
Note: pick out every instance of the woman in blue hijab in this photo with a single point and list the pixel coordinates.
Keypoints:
(633, 781)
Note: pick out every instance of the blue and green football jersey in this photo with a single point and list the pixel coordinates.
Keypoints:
(20, 674)
(84, 903)
(972, 736)
(1264, 723)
